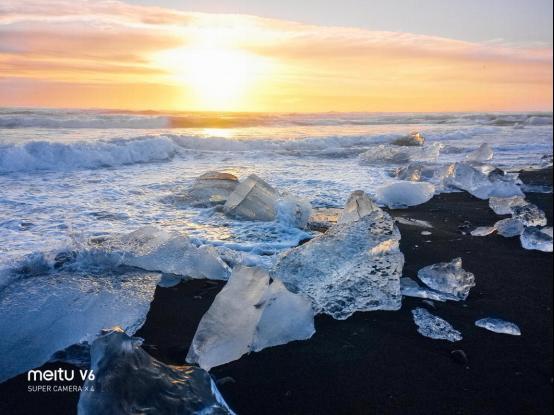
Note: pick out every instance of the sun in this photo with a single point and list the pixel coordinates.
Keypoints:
(217, 78)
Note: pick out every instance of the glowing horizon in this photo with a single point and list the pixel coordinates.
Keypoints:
(113, 55)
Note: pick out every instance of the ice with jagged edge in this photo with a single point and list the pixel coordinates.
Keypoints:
(404, 194)
(530, 215)
(254, 199)
(393, 154)
(499, 326)
(352, 267)
(211, 188)
(449, 278)
(482, 154)
(249, 314)
(504, 205)
(46, 313)
(358, 205)
(154, 249)
(480, 181)
(429, 325)
(537, 238)
(410, 288)
(128, 380)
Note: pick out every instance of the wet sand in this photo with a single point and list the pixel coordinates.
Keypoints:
(376, 362)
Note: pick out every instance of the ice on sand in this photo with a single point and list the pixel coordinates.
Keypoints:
(254, 199)
(392, 154)
(498, 326)
(404, 194)
(509, 227)
(128, 380)
(504, 205)
(429, 325)
(47, 313)
(529, 214)
(154, 249)
(211, 188)
(537, 238)
(352, 267)
(483, 231)
(357, 206)
(449, 278)
(249, 314)
(483, 153)
(411, 288)
(412, 139)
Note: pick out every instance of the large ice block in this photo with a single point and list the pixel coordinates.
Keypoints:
(247, 315)
(252, 199)
(449, 278)
(529, 215)
(537, 238)
(434, 327)
(127, 380)
(211, 188)
(404, 194)
(352, 267)
(358, 205)
(504, 205)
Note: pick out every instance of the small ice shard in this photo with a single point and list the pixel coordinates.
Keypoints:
(434, 327)
(391, 154)
(483, 153)
(411, 288)
(426, 233)
(252, 199)
(44, 314)
(483, 231)
(413, 222)
(412, 139)
(499, 326)
(128, 380)
(211, 188)
(529, 215)
(293, 211)
(358, 205)
(536, 238)
(153, 249)
(322, 219)
(509, 227)
(404, 194)
(504, 205)
(352, 267)
(247, 315)
(448, 277)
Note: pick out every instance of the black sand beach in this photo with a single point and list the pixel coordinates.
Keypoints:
(376, 362)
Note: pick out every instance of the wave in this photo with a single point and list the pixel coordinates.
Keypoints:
(50, 155)
(47, 118)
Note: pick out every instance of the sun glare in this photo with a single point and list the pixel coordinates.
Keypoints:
(217, 78)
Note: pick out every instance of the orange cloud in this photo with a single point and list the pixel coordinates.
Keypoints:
(139, 57)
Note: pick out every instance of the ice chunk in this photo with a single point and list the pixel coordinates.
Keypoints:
(509, 227)
(504, 205)
(247, 315)
(536, 238)
(391, 154)
(47, 313)
(529, 215)
(211, 188)
(252, 199)
(429, 325)
(416, 172)
(293, 211)
(353, 267)
(322, 219)
(483, 153)
(128, 380)
(499, 326)
(154, 249)
(483, 231)
(404, 194)
(413, 222)
(410, 288)
(358, 205)
(412, 139)
(448, 277)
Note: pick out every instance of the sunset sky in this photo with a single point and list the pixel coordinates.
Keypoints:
(351, 55)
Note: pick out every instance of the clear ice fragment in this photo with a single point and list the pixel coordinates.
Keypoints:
(449, 278)
(357, 206)
(498, 326)
(537, 238)
(404, 194)
(434, 327)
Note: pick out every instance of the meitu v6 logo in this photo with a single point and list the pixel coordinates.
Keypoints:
(57, 376)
